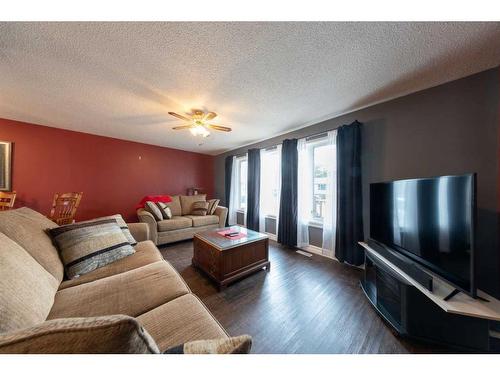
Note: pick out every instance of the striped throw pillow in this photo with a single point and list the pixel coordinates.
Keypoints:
(119, 220)
(85, 247)
(212, 205)
(153, 209)
(165, 210)
(199, 208)
(231, 345)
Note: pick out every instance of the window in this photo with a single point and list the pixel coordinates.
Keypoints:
(321, 157)
(242, 185)
(270, 182)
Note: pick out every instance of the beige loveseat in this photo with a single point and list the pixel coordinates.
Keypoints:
(182, 225)
(141, 290)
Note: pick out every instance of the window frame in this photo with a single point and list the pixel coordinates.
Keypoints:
(312, 145)
(273, 150)
(239, 161)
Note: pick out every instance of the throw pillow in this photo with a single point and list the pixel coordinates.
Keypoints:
(165, 210)
(85, 247)
(153, 198)
(212, 205)
(232, 345)
(111, 334)
(199, 208)
(153, 209)
(120, 222)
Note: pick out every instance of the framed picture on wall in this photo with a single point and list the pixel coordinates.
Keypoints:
(5, 166)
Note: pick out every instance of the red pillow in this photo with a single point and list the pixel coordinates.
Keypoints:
(153, 198)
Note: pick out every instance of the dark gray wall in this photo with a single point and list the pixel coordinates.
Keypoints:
(449, 129)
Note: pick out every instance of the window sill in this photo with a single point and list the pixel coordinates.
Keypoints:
(315, 224)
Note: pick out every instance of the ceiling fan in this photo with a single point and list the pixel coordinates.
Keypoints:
(198, 123)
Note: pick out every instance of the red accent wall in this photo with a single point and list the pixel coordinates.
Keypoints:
(113, 174)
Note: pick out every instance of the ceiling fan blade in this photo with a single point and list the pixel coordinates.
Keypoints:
(209, 116)
(218, 127)
(179, 116)
(182, 127)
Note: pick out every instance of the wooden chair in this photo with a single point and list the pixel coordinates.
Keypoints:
(7, 199)
(64, 208)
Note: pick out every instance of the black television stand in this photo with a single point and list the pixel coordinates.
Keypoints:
(442, 315)
(456, 291)
(451, 295)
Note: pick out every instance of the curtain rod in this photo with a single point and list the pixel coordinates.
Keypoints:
(311, 137)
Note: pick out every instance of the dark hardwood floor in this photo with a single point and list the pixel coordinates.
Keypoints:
(303, 305)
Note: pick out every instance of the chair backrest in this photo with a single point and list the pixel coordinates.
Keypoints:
(64, 207)
(7, 199)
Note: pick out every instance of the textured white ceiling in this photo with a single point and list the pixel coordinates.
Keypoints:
(121, 79)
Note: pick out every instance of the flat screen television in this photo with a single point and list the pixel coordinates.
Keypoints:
(431, 221)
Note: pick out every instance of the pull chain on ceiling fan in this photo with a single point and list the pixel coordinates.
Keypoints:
(198, 123)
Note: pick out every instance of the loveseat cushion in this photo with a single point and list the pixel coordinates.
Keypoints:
(188, 200)
(27, 290)
(27, 228)
(175, 205)
(130, 293)
(179, 321)
(176, 222)
(112, 334)
(200, 221)
(87, 246)
(145, 253)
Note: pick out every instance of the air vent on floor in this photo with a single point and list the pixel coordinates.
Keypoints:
(304, 253)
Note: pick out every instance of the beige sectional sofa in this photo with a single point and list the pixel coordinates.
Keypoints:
(182, 225)
(143, 286)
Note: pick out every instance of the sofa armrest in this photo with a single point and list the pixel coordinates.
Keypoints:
(140, 231)
(146, 217)
(221, 212)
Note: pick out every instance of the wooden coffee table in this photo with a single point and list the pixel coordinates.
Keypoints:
(226, 260)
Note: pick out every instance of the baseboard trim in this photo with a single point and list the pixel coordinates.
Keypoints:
(317, 250)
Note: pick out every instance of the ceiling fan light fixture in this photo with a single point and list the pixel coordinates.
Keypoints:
(199, 130)
(198, 125)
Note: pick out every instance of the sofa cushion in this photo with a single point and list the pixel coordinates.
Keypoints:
(176, 222)
(154, 210)
(113, 334)
(85, 247)
(145, 253)
(175, 205)
(200, 221)
(188, 200)
(27, 290)
(130, 293)
(179, 321)
(27, 228)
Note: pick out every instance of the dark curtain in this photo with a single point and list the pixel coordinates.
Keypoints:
(287, 228)
(349, 195)
(253, 189)
(227, 181)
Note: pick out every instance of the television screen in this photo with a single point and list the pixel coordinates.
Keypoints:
(431, 220)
